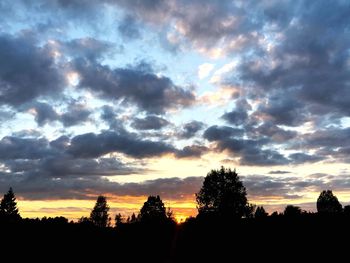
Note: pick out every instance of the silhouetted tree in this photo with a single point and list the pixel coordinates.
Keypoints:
(99, 214)
(153, 209)
(346, 210)
(275, 214)
(8, 206)
(260, 212)
(222, 194)
(118, 220)
(328, 203)
(170, 214)
(292, 211)
(84, 220)
(250, 210)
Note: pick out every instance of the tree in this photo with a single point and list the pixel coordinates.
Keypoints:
(328, 203)
(153, 209)
(292, 211)
(118, 219)
(170, 214)
(222, 194)
(347, 210)
(8, 206)
(99, 215)
(260, 212)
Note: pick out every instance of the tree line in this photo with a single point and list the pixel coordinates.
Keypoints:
(222, 195)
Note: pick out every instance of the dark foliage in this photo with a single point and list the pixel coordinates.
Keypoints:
(292, 211)
(8, 207)
(328, 203)
(99, 215)
(223, 194)
(153, 210)
(260, 212)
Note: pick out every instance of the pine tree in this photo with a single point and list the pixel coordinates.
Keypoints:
(99, 215)
(8, 206)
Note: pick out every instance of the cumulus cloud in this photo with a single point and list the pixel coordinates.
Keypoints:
(137, 85)
(149, 123)
(27, 70)
(190, 129)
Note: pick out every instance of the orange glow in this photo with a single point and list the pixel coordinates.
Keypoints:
(74, 209)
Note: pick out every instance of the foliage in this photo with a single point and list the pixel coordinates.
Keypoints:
(8, 206)
(328, 203)
(99, 215)
(292, 211)
(153, 209)
(222, 194)
(260, 212)
(119, 219)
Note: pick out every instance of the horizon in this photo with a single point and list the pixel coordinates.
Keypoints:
(135, 98)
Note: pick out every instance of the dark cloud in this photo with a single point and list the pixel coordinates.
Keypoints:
(263, 187)
(239, 115)
(193, 151)
(150, 122)
(190, 129)
(279, 172)
(137, 85)
(23, 148)
(75, 114)
(88, 48)
(275, 133)
(27, 71)
(235, 117)
(92, 145)
(282, 109)
(129, 28)
(298, 158)
(44, 113)
(256, 156)
(217, 133)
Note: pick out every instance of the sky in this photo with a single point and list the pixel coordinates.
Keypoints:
(130, 98)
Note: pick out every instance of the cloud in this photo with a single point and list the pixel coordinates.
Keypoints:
(76, 114)
(279, 172)
(217, 133)
(204, 70)
(193, 151)
(262, 187)
(136, 85)
(190, 129)
(44, 113)
(90, 187)
(19, 148)
(92, 145)
(88, 47)
(298, 158)
(275, 133)
(128, 27)
(150, 122)
(27, 70)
